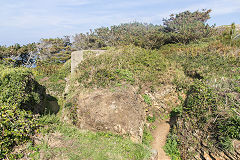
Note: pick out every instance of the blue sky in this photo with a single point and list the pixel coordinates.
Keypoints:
(25, 21)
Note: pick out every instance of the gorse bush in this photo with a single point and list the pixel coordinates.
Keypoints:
(17, 126)
(171, 147)
(228, 129)
(19, 88)
(209, 114)
(201, 102)
(205, 109)
(20, 95)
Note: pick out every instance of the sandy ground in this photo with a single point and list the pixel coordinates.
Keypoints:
(160, 136)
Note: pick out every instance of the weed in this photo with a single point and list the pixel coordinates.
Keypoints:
(147, 99)
(147, 136)
(171, 147)
(151, 119)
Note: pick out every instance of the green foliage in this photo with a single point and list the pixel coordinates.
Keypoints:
(19, 95)
(228, 128)
(18, 88)
(147, 99)
(147, 136)
(205, 107)
(52, 76)
(87, 144)
(176, 111)
(171, 147)
(151, 119)
(203, 61)
(125, 74)
(54, 50)
(209, 76)
(125, 65)
(62, 72)
(17, 126)
(180, 28)
(17, 55)
(188, 26)
(200, 100)
(230, 36)
(139, 34)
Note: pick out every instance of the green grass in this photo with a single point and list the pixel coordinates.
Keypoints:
(78, 144)
(147, 136)
(122, 65)
(55, 74)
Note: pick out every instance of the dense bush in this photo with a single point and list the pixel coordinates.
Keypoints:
(54, 50)
(17, 126)
(200, 103)
(205, 111)
(19, 88)
(180, 28)
(139, 34)
(18, 55)
(188, 26)
(20, 95)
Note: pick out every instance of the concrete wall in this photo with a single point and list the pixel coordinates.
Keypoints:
(78, 56)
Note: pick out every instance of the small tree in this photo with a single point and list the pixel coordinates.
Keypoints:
(55, 50)
(188, 26)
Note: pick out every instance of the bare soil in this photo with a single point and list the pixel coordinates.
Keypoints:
(160, 135)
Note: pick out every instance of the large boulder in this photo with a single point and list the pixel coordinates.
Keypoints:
(119, 111)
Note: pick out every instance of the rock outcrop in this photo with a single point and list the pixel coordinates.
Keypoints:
(120, 112)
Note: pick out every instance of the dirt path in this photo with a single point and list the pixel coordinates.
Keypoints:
(160, 136)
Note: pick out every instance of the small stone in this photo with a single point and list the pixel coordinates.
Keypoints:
(205, 155)
(154, 154)
(197, 157)
(236, 145)
(214, 156)
(204, 144)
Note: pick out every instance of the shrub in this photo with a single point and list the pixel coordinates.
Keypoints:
(17, 55)
(228, 128)
(139, 34)
(147, 136)
(54, 50)
(188, 26)
(18, 88)
(230, 35)
(205, 109)
(200, 100)
(20, 95)
(171, 147)
(17, 126)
